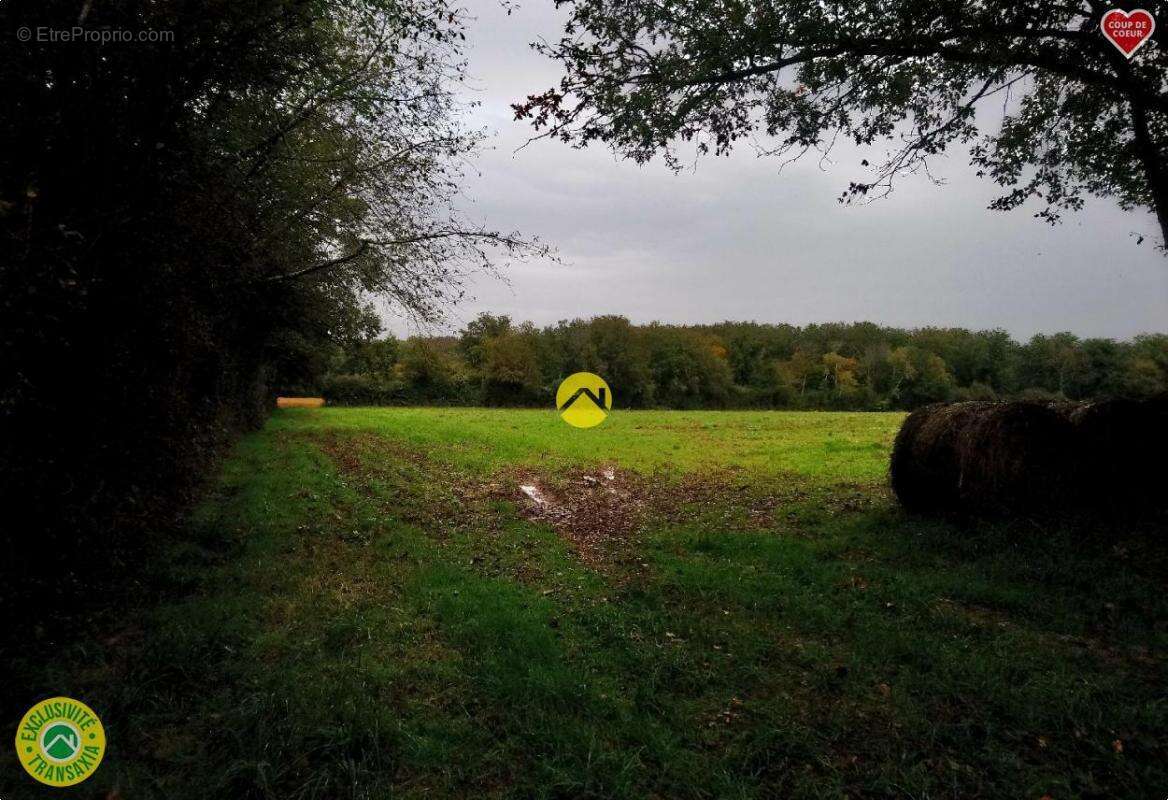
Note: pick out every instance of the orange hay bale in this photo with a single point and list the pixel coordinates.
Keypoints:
(299, 402)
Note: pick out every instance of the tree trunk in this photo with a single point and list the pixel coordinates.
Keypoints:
(1154, 167)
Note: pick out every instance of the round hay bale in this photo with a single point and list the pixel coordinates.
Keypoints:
(983, 458)
(1119, 447)
(924, 467)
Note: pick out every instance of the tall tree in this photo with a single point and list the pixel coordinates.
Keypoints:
(187, 213)
(1077, 118)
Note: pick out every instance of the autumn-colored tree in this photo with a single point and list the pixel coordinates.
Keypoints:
(798, 370)
(840, 373)
(832, 365)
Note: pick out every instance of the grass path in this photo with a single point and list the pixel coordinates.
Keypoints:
(364, 610)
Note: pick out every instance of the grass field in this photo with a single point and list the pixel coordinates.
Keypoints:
(695, 605)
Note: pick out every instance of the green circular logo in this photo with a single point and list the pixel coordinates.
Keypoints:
(60, 741)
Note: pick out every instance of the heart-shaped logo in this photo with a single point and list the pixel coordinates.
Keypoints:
(1128, 31)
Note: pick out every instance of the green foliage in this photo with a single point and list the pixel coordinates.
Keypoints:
(477, 331)
(372, 357)
(363, 390)
(747, 365)
(510, 367)
(193, 223)
(688, 368)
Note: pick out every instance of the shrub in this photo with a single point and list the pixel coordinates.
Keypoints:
(362, 390)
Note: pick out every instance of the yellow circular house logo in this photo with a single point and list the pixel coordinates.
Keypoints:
(60, 741)
(584, 400)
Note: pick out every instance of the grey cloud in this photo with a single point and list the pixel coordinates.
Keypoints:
(735, 239)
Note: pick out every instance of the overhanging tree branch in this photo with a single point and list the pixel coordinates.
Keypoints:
(511, 242)
(644, 78)
(321, 267)
(921, 49)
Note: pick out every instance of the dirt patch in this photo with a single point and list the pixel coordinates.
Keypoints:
(598, 511)
(347, 452)
(601, 511)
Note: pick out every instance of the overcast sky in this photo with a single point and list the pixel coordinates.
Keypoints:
(734, 239)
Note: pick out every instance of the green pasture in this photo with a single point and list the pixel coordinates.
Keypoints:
(365, 606)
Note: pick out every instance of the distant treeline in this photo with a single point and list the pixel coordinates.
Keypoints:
(494, 361)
